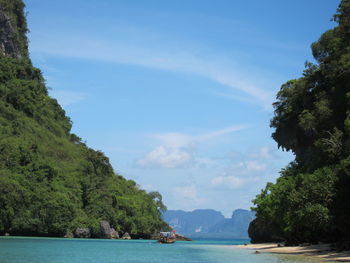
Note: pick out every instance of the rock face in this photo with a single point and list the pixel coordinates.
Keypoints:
(82, 232)
(105, 230)
(8, 46)
(126, 236)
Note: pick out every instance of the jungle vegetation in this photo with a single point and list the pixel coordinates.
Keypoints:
(310, 201)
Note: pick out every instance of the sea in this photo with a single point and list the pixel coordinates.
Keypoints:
(60, 250)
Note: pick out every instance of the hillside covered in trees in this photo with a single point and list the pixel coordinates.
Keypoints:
(310, 201)
(50, 182)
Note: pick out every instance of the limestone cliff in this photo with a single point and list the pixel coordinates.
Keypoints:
(13, 29)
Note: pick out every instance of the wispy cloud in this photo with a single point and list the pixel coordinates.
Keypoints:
(66, 97)
(217, 133)
(185, 60)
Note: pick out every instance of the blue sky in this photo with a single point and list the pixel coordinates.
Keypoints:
(178, 93)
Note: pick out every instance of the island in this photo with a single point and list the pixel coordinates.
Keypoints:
(51, 182)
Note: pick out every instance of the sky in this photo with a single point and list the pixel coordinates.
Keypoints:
(178, 94)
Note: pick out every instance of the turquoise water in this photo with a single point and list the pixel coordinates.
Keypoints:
(55, 250)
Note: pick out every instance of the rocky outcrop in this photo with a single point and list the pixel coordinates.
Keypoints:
(114, 234)
(182, 238)
(126, 236)
(157, 236)
(8, 45)
(259, 233)
(69, 235)
(263, 232)
(106, 231)
(82, 232)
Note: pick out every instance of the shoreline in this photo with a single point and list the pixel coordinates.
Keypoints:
(322, 251)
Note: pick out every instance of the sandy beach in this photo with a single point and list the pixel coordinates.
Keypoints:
(322, 251)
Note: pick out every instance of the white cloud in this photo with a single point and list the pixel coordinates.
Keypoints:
(178, 149)
(235, 179)
(240, 173)
(174, 140)
(167, 157)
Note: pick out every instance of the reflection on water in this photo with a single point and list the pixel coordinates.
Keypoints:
(55, 250)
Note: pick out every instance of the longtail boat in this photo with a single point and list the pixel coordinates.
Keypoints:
(167, 237)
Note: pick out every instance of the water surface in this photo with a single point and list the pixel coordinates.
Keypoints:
(56, 250)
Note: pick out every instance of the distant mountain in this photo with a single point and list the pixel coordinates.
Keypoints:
(199, 220)
(237, 225)
(208, 223)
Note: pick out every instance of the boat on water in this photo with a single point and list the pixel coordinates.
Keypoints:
(167, 237)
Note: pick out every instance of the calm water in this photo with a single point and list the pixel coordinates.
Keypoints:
(54, 250)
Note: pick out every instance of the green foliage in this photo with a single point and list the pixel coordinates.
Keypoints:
(51, 182)
(310, 201)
